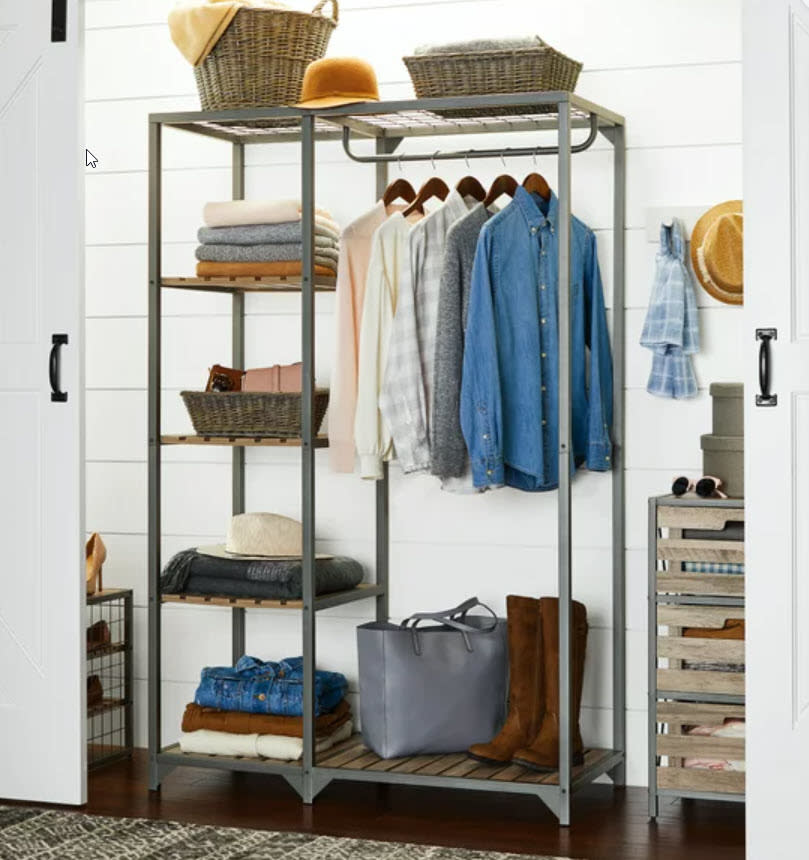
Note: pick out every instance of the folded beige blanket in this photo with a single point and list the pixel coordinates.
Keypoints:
(236, 213)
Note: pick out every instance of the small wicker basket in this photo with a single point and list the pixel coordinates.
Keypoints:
(254, 413)
(536, 69)
(260, 59)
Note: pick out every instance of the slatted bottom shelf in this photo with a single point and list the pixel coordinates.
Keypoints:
(353, 755)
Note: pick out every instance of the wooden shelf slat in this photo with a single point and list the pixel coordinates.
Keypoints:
(106, 650)
(104, 706)
(253, 603)
(242, 441)
(275, 284)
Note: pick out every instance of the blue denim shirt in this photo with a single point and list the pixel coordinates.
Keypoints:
(510, 386)
(256, 687)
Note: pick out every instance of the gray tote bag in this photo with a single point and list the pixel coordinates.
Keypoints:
(432, 689)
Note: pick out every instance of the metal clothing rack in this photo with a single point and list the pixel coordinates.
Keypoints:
(388, 124)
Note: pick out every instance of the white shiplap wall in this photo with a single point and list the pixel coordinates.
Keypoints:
(673, 69)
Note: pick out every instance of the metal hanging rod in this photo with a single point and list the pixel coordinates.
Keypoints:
(382, 158)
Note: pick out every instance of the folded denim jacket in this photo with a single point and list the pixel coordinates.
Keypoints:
(256, 687)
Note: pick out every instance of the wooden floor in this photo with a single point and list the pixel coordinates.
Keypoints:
(607, 824)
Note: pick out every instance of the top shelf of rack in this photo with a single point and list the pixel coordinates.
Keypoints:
(407, 118)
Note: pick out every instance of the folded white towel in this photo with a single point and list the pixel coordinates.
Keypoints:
(207, 742)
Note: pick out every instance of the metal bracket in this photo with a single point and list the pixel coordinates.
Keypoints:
(469, 153)
(308, 792)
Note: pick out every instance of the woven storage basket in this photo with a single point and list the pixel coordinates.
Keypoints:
(253, 413)
(260, 59)
(475, 73)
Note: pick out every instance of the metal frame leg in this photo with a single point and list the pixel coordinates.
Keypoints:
(618, 773)
(384, 145)
(154, 518)
(308, 451)
(238, 616)
(652, 678)
(563, 499)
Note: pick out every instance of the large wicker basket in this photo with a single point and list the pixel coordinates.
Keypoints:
(536, 69)
(251, 413)
(260, 59)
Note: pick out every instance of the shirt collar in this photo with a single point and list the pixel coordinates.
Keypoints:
(530, 207)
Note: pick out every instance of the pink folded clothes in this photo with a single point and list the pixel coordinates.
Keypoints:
(731, 728)
(278, 378)
(234, 213)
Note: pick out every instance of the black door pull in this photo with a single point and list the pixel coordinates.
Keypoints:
(58, 20)
(57, 395)
(765, 335)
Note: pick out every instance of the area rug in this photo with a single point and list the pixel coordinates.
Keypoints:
(42, 834)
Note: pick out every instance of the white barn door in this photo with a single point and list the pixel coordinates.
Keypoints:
(776, 211)
(42, 675)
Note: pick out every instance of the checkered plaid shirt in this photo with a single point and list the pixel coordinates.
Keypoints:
(671, 329)
(406, 396)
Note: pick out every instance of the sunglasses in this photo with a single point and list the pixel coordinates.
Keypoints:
(706, 487)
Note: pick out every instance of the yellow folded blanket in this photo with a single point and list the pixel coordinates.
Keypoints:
(196, 27)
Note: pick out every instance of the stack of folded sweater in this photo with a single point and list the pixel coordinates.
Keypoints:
(255, 709)
(262, 238)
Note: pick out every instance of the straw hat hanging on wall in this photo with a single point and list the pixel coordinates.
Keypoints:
(716, 252)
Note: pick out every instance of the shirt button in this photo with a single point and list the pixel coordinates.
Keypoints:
(488, 471)
(485, 435)
(543, 388)
(533, 229)
(544, 422)
(607, 459)
(261, 697)
(542, 286)
(543, 320)
(542, 355)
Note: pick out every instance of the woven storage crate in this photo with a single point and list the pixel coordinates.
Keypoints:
(260, 59)
(538, 69)
(254, 413)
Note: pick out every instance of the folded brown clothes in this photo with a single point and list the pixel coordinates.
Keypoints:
(196, 717)
(281, 269)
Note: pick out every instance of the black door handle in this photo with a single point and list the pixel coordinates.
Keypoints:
(57, 395)
(765, 335)
(58, 20)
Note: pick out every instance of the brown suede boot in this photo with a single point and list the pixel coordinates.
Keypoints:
(543, 753)
(525, 706)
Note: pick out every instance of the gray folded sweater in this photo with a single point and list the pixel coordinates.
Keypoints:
(263, 254)
(473, 46)
(287, 233)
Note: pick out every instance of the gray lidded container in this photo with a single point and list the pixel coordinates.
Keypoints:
(728, 408)
(723, 457)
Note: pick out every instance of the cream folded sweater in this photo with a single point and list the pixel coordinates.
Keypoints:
(233, 213)
(282, 747)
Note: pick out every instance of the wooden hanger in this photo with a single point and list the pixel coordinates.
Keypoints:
(503, 184)
(399, 189)
(470, 187)
(434, 187)
(535, 183)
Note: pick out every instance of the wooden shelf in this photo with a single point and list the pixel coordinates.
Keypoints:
(106, 650)
(275, 284)
(353, 755)
(243, 441)
(363, 591)
(104, 706)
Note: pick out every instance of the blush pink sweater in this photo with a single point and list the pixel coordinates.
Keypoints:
(355, 252)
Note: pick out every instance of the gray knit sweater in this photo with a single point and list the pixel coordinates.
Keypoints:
(448, 448)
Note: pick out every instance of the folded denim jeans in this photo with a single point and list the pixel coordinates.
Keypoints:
(256, 687)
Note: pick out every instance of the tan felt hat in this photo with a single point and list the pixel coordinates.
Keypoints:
(336, 81)
(260, 537)
(717, 252)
